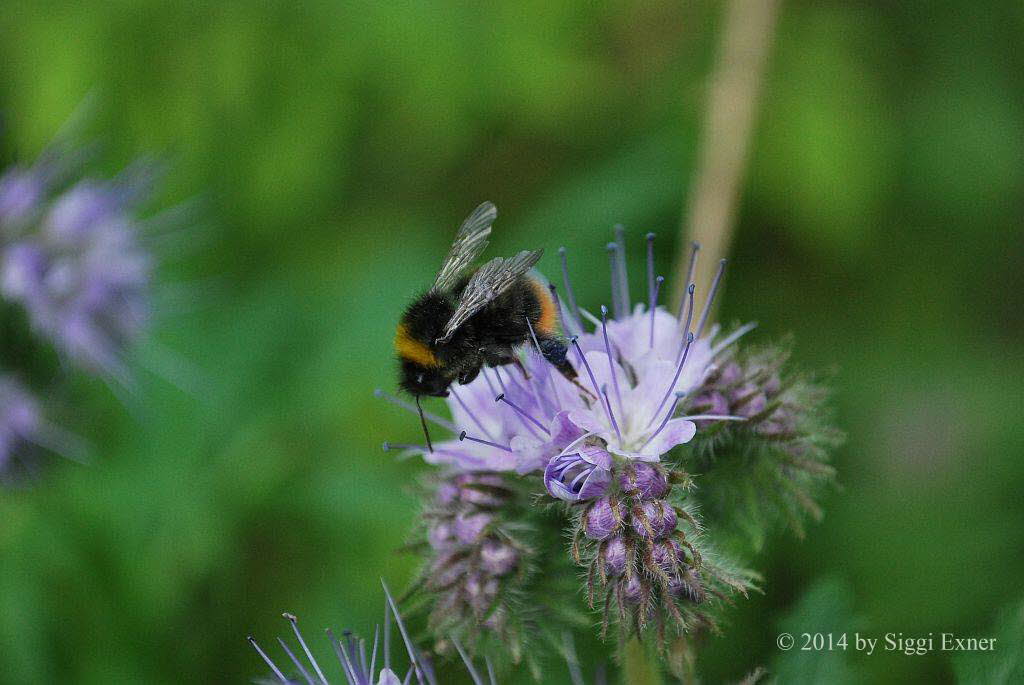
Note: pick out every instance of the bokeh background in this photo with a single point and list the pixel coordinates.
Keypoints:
(331, 148)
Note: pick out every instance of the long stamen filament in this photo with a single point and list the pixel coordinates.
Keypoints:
(267, 659)
(694, 249)
(608, 351)
(522, 412)
(620, 241)
(664, 422)
(675, 378)
(711, 297)
(654, 306)
(689, 318)
(464, 436)
(613, 265)
(611, 414)
(593, 380)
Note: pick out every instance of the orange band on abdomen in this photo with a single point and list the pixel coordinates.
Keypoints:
(412, 349)
(548, 316)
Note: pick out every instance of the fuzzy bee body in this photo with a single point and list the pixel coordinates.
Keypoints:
(475, 317)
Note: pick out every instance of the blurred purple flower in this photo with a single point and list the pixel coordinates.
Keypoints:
(21, 192)
(20, 424)
(78, 269)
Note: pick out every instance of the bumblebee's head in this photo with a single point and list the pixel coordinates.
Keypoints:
(421, 380)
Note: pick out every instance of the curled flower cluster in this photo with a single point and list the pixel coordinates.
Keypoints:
(72, 261)
(472, 555)
(74, 278)
(782, 445)
(21, 423)
(613, 442)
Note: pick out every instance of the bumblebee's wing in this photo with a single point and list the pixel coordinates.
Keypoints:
(490, 280)
(469, 242)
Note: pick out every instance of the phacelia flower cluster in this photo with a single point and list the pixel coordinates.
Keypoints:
(610, 447)
(74, 279)
(474, 557)
(71, 259)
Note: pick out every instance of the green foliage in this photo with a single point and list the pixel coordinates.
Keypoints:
(827, 608)
(1005, 662)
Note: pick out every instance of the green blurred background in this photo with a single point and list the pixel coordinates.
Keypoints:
(335, 146)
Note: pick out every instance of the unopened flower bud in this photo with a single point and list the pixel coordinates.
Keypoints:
(601, 520)
(632, 589)
(667, 554)
(497, 558)
(614, 556)
(644, 479)
(654, 518)
(730, 375)
(440, 536)
(688, 584)
(481, 489)
(469, 527)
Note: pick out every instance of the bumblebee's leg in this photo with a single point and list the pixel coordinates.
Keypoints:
(468, 375)
(514, 358)
(555, 352)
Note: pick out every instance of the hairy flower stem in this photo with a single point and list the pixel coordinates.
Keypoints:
(639, 664)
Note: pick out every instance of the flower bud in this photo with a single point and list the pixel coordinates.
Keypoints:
(632, 589)
(497, 558)
(730, 375)
(480, 591)
(644, 479)
(654, 518)
(469, 527)
(481, 489)
(687, 584)
(667, 554)
(440, 536)
(614, 556)
(748, 400)
(446, 493)
(601, 520)
(447, 569)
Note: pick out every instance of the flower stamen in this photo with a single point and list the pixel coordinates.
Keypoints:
(711, 297)
(694, 249)
(611, 360)
(464, 436)
(654, 306)
(519, 410)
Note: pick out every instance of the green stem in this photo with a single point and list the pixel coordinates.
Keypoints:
(639, 665)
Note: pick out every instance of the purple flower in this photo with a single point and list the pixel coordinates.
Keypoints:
(21, 422)
(78, 271)
(578, 474)
(21, 191)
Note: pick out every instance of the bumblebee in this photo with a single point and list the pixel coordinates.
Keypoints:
(472, 317)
